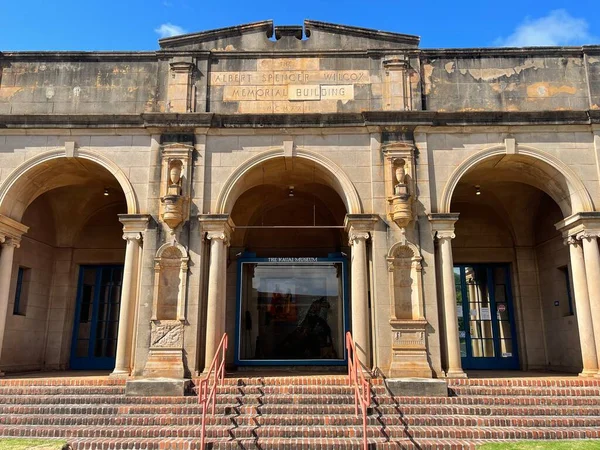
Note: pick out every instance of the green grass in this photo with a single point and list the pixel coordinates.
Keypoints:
(24, 444)
(544, 445)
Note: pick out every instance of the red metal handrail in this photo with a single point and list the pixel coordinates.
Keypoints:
(206, 395)
(362, 388)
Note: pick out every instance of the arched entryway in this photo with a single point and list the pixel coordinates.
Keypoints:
(520, 295)
(288, 222)
(65, 268)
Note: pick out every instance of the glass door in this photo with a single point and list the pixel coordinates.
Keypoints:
(96, 317)
(485, 316)
(291, 311)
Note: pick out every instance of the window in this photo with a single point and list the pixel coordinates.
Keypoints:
(565, 271)
(22, 291)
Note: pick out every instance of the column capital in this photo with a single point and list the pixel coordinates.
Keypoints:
(217, 226)
(134, 225)
(7, 241)
(358, 226)
(355, 235)
(360, 222)
(589, 235)
(581, 225)
(571, 240)
(11, 231)
(442, 225)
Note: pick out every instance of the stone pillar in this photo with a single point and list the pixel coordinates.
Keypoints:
(360, 294)
(10, 238)
(218, 228)
(6, 264)
(358, 227)
(443, 228)
(585, 265)
(582, 305)
(133, 226)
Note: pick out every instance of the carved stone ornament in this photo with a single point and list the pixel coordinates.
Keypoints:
(401, 200)
(166, 334)
(175, 184)
(172, 213)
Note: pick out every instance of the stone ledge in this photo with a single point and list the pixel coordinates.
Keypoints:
(417, 387)
(157, 387)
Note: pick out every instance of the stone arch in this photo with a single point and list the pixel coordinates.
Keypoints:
(570, 193)
(32, 170)
(404, 250)
(339, 181)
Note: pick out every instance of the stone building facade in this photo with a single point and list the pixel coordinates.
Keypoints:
(288, 184)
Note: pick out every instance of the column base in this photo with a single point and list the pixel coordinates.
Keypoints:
(589, 373)
(456, 373)
(119, 374)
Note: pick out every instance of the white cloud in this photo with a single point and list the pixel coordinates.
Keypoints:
(557, 28)
(168, 30)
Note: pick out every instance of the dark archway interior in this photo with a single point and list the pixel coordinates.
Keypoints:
(303, 207)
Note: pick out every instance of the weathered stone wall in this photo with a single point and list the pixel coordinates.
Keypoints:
(63, 84)
(518, 80)
(593, 72)
(293, 83)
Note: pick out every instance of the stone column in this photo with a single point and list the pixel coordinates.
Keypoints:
(443, 227)
(582, 305)
(218, 229)
(360, 294)
(6, 264)
(592, 272)
(358, 226)
(133, 226)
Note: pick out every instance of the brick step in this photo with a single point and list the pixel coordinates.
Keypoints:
(226, 400)
(262, 444)
(62, 390)
(292, 390)
(229, 421)
(94, 399)
(346, 444)
(317, 380)
(253, 420)
(188, 432)
(498, 401)
(275, 444)
(83, 381)
(393, 432)
(525, 382)
(313, 410)
(527, 391)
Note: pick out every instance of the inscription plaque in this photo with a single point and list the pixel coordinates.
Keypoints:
(288, 85)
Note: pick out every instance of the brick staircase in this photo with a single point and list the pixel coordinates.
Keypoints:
(303, 412)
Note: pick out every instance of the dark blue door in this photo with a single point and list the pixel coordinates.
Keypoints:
(486, 322)
(96, 317)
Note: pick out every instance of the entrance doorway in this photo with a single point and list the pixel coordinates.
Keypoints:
(486, 322)
(291, 248)
(96, 317)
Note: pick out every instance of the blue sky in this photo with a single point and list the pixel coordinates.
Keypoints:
(138, 24)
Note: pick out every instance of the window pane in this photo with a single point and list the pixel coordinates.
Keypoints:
(488, 348)
(506, 348)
